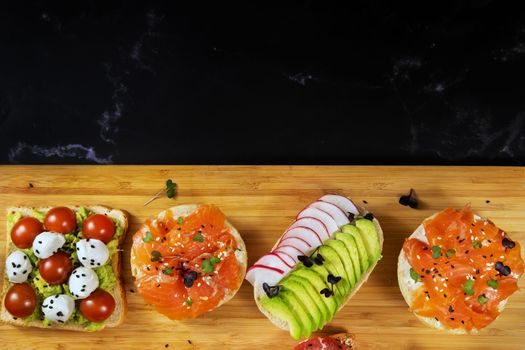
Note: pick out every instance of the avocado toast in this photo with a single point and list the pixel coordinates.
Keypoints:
(302, 292)
(86, 273)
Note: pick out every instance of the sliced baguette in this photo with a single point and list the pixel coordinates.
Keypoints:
(408, 287)
(119, 293)
(258, 292)
(241, 255)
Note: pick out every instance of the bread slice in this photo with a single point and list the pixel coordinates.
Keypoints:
(241, 255)
(119, 293)
(408, 287)
(258, 292)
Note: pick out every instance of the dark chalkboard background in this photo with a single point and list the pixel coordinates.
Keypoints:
(373, 82)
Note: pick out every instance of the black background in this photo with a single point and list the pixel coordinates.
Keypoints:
(368, 82)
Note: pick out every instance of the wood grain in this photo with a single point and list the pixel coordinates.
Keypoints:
(261, 201)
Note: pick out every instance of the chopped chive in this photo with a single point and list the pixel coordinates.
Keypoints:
(198, 238)
(493, 283)
(468, 287)
(450, 253)
(167, 271)
(189, 301)
(476, 244)
(180, 220)
(414, 275)
(436, 252)
(147, 237)
(482, 299)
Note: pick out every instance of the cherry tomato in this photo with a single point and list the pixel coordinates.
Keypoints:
(60, 219)
(24, 232)
(56, 269)
(20, 300)
(100, 227)
(98, 306)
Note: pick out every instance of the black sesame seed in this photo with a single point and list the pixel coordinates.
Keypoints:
(450, 309)
(39, 242)
(83, 258)
(25, 257)
(24, 272)
(92, 246)
(52, 301)
(36, 250)
(83, 275)
(14, 273)
(14, 265)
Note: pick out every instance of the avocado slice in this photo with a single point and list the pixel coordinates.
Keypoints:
(339, 290)
(348, 265)
(319, 283)
(305, 303)
(334, 264)
(282, 309)
(361, 249)
(351, 248)
(310, 298)
(370, 238)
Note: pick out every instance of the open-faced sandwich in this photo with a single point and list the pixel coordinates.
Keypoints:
(188, 260)
(457, 271)
(62, 268)
(317, 265)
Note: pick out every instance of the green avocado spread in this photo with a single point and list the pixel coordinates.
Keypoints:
(105, 274)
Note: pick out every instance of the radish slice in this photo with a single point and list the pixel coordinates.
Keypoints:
(290, 250)
(289, 260)
(320, 215)
(344, 203)
(259, 274)
(313, 224)
(334, 211)
(275, 261)
(297, 243)
(305, 233)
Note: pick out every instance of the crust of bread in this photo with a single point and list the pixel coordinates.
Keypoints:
(242, 255)
(408, 287)
(119, 292)
(258, 293)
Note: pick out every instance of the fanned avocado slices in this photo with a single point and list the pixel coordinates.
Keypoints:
(356, 235)
(370, 238)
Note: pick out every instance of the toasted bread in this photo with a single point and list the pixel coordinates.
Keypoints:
(119, 293)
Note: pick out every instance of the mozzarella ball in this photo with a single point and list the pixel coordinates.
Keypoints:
(47, 244)
(92, 252)
(18, 267)
(58, 308)
(82, 282)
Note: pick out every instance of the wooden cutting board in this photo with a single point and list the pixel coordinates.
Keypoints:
(261, 201)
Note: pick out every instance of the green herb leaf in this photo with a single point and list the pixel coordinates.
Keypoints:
(180, 220)
(476, 244)
(189, 301)
(482, 299)
(450, 253)
(207, 266)
(147, 237)
(414, 275)
(170, 188)
(155, 255)
(238, 249)
(436, 252)
(493, 283)
(167, 271)
(198, 238)
(468, 287)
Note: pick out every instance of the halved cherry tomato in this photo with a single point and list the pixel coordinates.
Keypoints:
(98, 306)
(24, 232)
(20, 300)
(60, 219)
(100, 227)
(56, 269)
